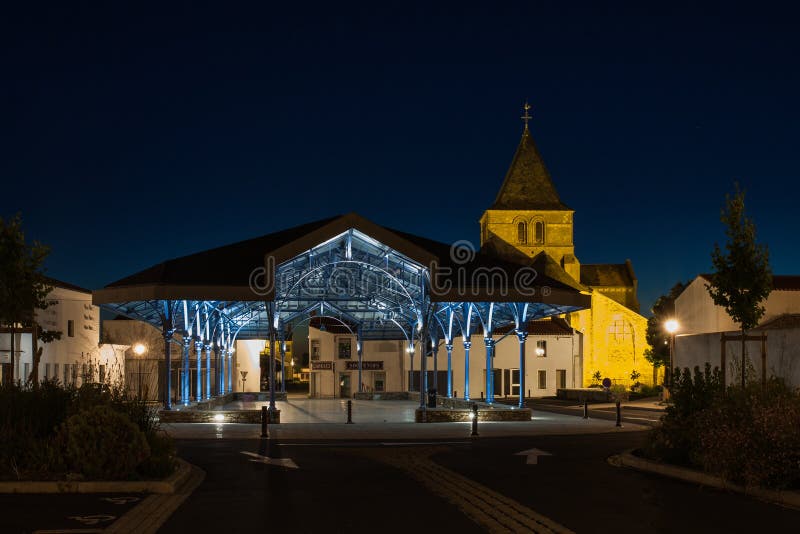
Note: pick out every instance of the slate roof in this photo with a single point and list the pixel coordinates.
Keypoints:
(527, 185)
(66, 285)
(785, 321)
(606, 274)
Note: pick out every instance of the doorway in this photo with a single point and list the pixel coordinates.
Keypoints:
(344, 385)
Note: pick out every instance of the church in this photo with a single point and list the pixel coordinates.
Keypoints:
(529, 222)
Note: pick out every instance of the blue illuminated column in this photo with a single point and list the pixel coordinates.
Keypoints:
(489, 342)
(435, 351)
(467, 345)
(230, 369)
(411, 356)
(283, 362)
(208, 369)
(222, 353)
(360, 352)
(217, 389)
(168, 369)
(522, 335)
(187, 343)
(449, 347)
(198, 350)
(272, 328)
(423, 371)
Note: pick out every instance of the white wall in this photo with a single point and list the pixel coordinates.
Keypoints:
(783, 354)
(697, 314)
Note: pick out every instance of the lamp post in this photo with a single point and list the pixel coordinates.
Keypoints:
(139, 349)
(671, 326)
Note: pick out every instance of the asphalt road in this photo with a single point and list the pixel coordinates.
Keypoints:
(462, 486)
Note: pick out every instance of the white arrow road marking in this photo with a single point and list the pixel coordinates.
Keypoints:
(283, 462)
(533, 455)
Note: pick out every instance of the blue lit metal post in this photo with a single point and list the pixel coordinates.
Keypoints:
(217, 385)
(467, 345)
(360, 352)
(270, 320)
(198, 350)
(185, 386)
(449, 347)
(207, 343)
(222, 353)
(168, 369)
(489, 342)
(423, 366)
(282, 344)
(522, 335)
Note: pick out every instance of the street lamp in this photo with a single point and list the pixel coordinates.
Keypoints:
(139, 349)
(671, 326)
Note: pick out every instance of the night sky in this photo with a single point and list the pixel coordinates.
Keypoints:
(131, 134)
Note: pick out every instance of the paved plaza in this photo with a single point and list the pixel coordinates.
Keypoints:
(303, 418)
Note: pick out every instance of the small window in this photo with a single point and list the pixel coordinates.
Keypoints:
(71, 328)
(542, 379)
(55, 371)
(522, 233)
(102, 374)
(380, 381)
(315, 349)
(538, 232)
(344, 348)
(27, 371)
(46, 371)
(66, 374)
(541, 348)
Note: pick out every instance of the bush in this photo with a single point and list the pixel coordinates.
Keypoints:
(101, 443)
(749, 436)
(161, 462)
(752, 437)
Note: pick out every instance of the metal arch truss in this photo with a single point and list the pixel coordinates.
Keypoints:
(367, 286)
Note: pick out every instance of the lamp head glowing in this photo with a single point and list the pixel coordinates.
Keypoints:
(139, 349)
(219, 418)
(671, 326)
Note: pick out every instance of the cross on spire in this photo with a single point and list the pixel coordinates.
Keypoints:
(525, 115)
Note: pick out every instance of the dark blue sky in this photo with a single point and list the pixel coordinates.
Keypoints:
(132, 134)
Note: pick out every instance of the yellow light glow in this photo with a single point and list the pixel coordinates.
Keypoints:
(139, 349)
(671, 326)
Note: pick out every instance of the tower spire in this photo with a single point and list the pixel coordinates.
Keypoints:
(525, 115)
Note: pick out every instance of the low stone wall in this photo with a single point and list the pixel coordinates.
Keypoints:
(581, 394)
(212, 403)
(460, 404)
(385, 395)
(257, 396)
(448, 415)
(210, 416)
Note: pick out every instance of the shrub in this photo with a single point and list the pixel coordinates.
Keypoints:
(752, 437)
(101, 443)
(161, 461)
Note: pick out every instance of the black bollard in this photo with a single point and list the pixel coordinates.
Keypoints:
(619, 415)
(585, 409)
(474, 419)
(349, 412)
(264, 421)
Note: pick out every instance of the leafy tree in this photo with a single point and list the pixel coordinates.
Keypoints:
(657, 337)
(742, 279)
(23, 285)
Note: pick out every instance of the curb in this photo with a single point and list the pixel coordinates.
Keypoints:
(627, 459)
(149, 515)
(167, 485)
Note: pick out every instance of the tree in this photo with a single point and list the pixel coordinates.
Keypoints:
(742, 279)
(23, 285)
(657, 337)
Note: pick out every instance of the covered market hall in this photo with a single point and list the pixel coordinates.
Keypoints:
(381, 285)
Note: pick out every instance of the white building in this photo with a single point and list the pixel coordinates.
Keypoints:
(702, 323)
(553, 360)
(78, 355)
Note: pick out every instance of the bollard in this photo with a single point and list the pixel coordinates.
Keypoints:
(264, 421)
(529, 393)
(455, 394)
(585, 409)
(474, 419)
(619, 415)
(349, 412)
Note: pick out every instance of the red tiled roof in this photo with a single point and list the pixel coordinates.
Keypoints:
(780, 282)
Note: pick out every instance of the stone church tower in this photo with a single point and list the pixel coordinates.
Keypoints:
(528, 223)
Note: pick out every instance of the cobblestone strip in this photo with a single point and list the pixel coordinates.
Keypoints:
(491, 510)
